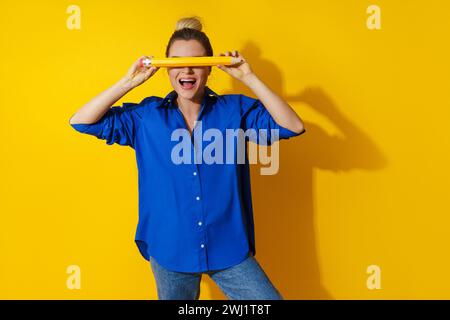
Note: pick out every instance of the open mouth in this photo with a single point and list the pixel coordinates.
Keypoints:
(187, 83)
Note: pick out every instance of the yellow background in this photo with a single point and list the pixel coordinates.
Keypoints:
(367, 184)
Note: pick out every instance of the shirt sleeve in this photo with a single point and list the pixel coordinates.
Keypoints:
(118, 124)
(266, 130)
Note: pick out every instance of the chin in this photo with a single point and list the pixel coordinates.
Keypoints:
(186, 95)
(189, 94)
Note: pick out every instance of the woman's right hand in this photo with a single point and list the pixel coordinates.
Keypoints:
(138, 73)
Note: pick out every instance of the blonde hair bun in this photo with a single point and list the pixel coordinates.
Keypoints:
(191, 23)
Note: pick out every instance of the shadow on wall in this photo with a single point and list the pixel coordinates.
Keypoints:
(283, 203)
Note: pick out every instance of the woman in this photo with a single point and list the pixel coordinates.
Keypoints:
(194, 218)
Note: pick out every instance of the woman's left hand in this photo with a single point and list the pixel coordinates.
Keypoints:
(239, 70)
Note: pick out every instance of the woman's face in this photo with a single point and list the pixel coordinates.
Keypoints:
(188, 48)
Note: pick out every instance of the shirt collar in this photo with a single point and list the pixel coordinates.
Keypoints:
(167, 101)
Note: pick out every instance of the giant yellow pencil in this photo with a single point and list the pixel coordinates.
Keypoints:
(190, 61)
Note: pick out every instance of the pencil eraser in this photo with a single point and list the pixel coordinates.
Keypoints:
(146, 62)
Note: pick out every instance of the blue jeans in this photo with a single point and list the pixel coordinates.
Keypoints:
(244, 281)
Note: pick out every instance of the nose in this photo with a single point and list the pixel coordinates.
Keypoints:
(187, 69)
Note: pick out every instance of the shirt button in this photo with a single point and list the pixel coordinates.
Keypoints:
(198, 198)
(202, 245)
(195, 173)
(199, 223)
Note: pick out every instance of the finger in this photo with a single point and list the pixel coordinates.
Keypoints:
(240, 57)
(155, 69)
(236, 62)
(149, 72)
(222, 67)
(135, 66)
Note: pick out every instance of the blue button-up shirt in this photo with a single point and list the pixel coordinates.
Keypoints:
(193, 216)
